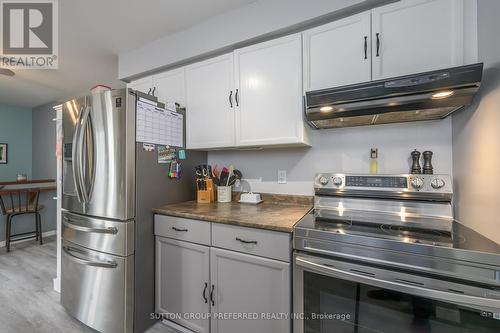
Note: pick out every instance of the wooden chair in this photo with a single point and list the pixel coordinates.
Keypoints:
(18, 202)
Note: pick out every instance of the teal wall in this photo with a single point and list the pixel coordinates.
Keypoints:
(16, 131)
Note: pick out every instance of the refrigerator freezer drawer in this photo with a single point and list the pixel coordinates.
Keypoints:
(97, 288)
(102, 235)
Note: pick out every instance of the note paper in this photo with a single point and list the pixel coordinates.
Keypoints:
(159, 126)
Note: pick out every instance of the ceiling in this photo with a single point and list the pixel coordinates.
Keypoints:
(91, 35)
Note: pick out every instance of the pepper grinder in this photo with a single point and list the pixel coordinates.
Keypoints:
(428, 169)
(415, 167)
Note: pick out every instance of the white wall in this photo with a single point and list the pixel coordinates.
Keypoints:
(341, 150)
(260, 20)
(476, 136)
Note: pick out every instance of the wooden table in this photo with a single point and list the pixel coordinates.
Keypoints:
(44, 185)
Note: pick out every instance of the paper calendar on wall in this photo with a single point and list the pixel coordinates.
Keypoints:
(159, 126)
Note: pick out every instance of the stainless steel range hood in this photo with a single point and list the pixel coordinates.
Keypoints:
(424, 96)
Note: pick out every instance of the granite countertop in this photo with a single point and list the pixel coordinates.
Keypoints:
(277, 212)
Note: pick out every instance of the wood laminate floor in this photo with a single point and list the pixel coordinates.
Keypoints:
(28, 302)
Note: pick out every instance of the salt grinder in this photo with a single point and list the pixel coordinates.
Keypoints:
(428, 169)
(415, 167)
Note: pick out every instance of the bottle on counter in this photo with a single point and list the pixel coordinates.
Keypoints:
(374, 161)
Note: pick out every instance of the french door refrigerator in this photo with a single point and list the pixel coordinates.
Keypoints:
(110, 185)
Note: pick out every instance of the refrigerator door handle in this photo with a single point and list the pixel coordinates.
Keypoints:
(85, 139)
(68, 223)
(103, 264)
(75, 157)
(89, 152)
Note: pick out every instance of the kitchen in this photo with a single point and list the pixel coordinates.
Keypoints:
(380, 116)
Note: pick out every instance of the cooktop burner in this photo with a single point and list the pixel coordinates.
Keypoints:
(357, 232)
(433, 237)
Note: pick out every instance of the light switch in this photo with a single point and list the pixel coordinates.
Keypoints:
(281, 176)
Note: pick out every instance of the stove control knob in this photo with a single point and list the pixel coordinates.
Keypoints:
(323, 180)
(337, 181)
(417, 183)
(437, 183)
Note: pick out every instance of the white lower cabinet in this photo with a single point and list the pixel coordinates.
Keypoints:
(249, 285)
(194, 280)
(182, 282)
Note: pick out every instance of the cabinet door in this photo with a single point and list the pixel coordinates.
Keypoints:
(416, 36)
(143, 85)
(269, 93)
(338, 53)
(182, 281)
(170, 86)
(248, 284)
(210, 103)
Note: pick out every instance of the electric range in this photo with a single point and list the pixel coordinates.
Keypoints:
(379, 244)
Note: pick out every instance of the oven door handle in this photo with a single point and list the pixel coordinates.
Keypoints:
(479, 303)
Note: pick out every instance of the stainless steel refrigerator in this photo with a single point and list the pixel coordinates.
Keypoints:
(110, 185)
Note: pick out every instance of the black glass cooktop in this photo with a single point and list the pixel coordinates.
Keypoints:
(385, 235)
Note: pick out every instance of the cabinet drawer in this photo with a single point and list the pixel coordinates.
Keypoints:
(183, 229)
(264, 243)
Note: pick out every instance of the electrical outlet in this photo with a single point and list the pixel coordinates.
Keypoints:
(281, 176)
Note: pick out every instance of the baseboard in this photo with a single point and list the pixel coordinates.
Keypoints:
(44, 234)
(57, 285)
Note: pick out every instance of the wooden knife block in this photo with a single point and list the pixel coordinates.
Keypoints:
(208, 195)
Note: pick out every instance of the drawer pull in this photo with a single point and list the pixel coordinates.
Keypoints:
(107, 264)
(69, 223)
(245, 241)
(180, 230)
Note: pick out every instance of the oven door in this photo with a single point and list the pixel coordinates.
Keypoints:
(344, 297)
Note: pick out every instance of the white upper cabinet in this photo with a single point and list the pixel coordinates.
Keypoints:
(338, 53)
(143, 85)
(413, 36)
(268, 93)
(210, 103)
(170, 87)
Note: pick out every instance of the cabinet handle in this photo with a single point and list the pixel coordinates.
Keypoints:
(231, 98)
(366, 47)
(212, 295)
(153, 92)
(236, 98)
(149, 91)
(182, 230)
(245, 241)
(205, 293)
(378, 44)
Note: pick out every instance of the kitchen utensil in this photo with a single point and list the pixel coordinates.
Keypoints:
(428, 168)
(237, 173)
(224, 175)
(231, 169)
(214, 172)
(250, 198)
(415, 167)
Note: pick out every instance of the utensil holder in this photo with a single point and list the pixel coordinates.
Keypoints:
(224, 193)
